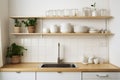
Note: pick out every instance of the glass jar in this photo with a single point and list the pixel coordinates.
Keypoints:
(66, 12)
(49, 13)
(73, 12)
(103, 12)
(58, 12)
(86, 11)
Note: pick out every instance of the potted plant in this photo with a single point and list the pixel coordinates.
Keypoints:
(15, 51)
(31, 24)
(17, 26)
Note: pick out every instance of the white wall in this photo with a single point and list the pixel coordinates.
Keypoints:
(3, 29)
(38, 7)
(44, 49)
(1, 60)
(115, 27)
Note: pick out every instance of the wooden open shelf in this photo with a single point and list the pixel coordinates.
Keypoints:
(64, 17)
(62, 34)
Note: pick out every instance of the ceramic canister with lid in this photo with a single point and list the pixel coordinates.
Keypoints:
(54, 29)
(66, 28)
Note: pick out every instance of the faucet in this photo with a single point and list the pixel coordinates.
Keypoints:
(59, 61)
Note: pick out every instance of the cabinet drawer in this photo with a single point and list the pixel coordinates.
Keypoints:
(58, 76)
(17, 75)
(99, 75)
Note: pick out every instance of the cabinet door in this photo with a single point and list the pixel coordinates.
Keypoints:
(101, 75)
(58, 76)
(17, 75)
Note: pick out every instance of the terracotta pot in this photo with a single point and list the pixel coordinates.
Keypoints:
(17, 29)
(31, 29)
(15, 59)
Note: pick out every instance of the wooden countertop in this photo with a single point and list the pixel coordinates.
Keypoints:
(35, 67)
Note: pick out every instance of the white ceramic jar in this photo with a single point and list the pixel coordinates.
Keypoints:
(54, 29)
(66, 28)
(46, 30)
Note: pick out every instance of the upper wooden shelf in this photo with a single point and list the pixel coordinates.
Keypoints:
(63, 34)
(65, 17)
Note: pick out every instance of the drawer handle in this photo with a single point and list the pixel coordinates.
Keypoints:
(59, 72)
(102, 75)
(18, 72)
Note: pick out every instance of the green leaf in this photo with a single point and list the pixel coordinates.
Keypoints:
(15, 49)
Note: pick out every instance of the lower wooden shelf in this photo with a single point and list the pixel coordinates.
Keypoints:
(62, 34)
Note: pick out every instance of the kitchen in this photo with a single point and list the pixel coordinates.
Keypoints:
(44, 48)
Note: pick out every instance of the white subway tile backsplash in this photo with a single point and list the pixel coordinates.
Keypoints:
(71, 48)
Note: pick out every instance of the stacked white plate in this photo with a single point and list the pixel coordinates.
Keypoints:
(92, 30)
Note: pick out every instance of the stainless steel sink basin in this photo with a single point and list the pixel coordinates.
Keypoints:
(58, 66)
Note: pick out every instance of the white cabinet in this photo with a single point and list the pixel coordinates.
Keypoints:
(58, 76)
(101, 76)
(17, 75)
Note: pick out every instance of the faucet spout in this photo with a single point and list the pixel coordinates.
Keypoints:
(59, 60)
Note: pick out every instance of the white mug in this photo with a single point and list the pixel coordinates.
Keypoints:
(90, 60)
(96, 61)
(84, 60)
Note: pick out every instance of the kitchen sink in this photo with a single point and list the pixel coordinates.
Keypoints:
(58, 66)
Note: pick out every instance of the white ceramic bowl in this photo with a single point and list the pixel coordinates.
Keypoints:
(93, 31)
(66, 28)
(81, 29)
